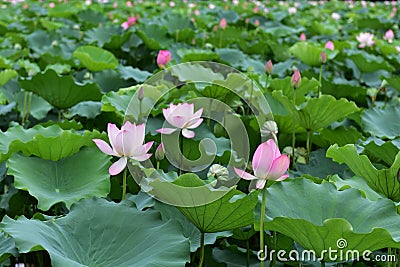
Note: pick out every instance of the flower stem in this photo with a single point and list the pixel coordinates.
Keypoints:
(124, 184)
(264, 191)
(201, 249)
(294, 130)
(320, 80)
(308, 145)
(181, 154)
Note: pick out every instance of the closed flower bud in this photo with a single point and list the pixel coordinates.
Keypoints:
(296, 79)
(160, 152)
(322, 57)
(269, 67)
(141, 93)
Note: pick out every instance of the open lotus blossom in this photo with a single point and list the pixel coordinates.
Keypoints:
(182, 116)
(389, 36)
(131, 21)
(365, 39)
(329, 45)
(268, 164)
(125, 143)
(163, 58)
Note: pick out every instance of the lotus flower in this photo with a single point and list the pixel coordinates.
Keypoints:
(269, 67)
(329, 45)
(365, 39)
(222, 23)
(335, 16)
(163, 58)
(125, 143)
(131, 21)
(182, 116)
(389, 36)
(303, 37)
(268, 164)
(296, 79)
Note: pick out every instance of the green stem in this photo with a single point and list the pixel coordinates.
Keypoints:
(251, 97)
(247, 253)
(140, 111)
(158, 165)
(124, 183)
(181, 154)
(263, 203)
(320, 81)
(201, 249)
(294, 130)
(308, 145)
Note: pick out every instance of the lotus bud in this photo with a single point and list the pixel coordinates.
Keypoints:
(160, 152)
(296, 79)
(141, 93)
(269, 67)
(322, 57)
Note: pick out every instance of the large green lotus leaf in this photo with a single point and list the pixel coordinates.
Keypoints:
(7, 247)
(7, 75)
(318, 112)
(232, 210)
(87, 109)
(340, 135)
(154, 36)
(384, 181)
(356, 183)
(101, 233)
(100, 35)
(35, 105)
(342, 88)
(82, 175)
(189, 55)
(307, 86)
(322, 216)
(382, 150)
(383, 123)
(95, 58)
(51, 143)
(308, 53)
(394, 82)
(133, 73)
(60, 91)
(367, 62)
(189, 230)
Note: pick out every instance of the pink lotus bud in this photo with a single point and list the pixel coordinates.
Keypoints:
(125, 25)
(256, 9)
(322, 57)
(115, 5)
(52, 5)
(160, 152)
(131, 21)
(163, 58)
(389, 36)
(222, 23)
(302, 37)
(129, 4)
(196, 12)
(296, 79)
(269, 67)
(141, 93)
(329, 45)
(256, 23)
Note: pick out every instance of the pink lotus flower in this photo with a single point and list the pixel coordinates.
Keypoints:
(292, 10)
(268, 164)
(389, 36)
(182, 116)
(256, 23)
(296, 79)
(163, 58)
(269, 67)
(365, 39)
(335, 16)
(222, 23)
(125, 143)
(329, 45)
(302, 37)
(131, 21)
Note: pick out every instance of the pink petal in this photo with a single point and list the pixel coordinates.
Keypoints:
(148, 145)
(119, 143)
(244, 175)
(141, 157)
(195, 124)
(166, 130)
(263, 158)
(141, 151)
(178, 121)
(283, 177)
(118, 166)
(198, 113)
(261, 183)
(104, 147)
(133, 137)
(112, 131)
(187, 133)
(279, 167)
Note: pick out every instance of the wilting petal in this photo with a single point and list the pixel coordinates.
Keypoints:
(279, 167)
(112, 131)
(187, 133)
(244, 175)
(261, 183)
(104, 147)
(166, 130)
(194, 123)
(118, 166)
(264, 157)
